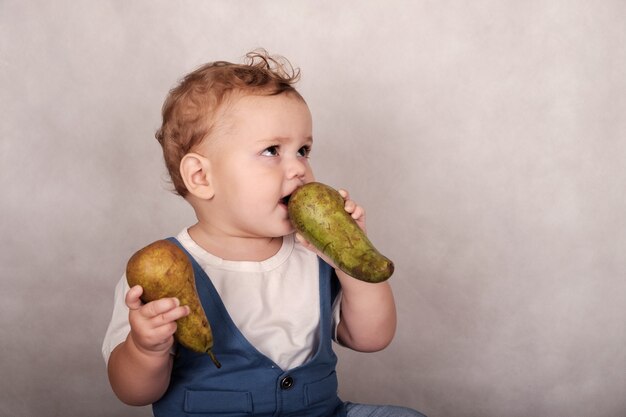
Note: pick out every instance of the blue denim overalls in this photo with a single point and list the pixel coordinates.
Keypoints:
(249, 383)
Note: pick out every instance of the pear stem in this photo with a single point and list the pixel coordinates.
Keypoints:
(214, 359)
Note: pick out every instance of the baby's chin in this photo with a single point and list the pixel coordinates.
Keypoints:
(288, 230)
(281, 229)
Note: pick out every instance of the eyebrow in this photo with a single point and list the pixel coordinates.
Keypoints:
(282, 139)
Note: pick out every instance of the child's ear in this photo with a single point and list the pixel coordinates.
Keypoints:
(196, 172)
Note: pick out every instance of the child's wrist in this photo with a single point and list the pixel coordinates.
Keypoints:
(145, 352)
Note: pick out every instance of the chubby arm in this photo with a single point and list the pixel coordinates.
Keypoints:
(368, 310)
(139, 368)
(368, 314)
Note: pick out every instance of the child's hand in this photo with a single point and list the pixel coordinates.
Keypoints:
(153, 324)
(356, 212)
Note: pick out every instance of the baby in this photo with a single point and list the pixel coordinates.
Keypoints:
(237, 141)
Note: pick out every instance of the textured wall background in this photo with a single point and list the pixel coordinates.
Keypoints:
(486, 139)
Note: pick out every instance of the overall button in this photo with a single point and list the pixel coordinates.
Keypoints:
(286, 382)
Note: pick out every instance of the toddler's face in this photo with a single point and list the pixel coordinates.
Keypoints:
(260, 157)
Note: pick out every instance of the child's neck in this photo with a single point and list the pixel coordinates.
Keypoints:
(235, 248)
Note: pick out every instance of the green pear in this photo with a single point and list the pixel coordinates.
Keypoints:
(164, 270)
(317, 212)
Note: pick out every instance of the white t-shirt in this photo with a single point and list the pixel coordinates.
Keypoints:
(274, 303)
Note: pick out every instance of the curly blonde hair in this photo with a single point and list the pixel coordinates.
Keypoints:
(191, 109)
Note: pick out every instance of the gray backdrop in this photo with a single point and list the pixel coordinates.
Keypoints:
(486, 139)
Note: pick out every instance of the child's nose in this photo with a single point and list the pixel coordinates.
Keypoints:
(295, 169)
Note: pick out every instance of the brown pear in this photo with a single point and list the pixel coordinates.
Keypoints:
(317, 212)
(164, 270)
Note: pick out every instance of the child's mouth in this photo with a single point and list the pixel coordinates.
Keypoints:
(285, 199)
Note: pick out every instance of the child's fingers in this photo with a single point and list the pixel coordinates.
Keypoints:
(154, 323)
(133, 300)
(164, 325)
(305, 243)
(170, 316)
(300, 239)
(350, 206)
(358, 212)
(159, 307)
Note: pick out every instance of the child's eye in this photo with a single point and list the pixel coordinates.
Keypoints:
(270, 151)
(304, 151)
